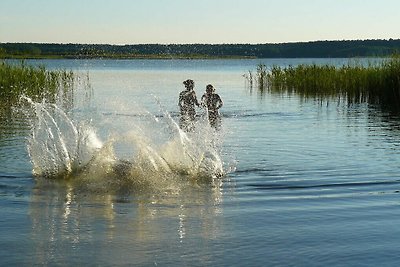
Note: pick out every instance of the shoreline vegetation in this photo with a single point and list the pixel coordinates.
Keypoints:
(376, 84)
(35, 82)
(314, 49)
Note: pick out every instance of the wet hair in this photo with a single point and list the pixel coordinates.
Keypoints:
(188, 82)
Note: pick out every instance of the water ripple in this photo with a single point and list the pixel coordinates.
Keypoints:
(277, 186)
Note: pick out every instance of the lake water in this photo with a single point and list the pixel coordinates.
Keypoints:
(303, 184)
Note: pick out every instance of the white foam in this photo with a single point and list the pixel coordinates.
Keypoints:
(157, 151)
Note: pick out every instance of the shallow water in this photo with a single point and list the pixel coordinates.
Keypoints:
(305, 184)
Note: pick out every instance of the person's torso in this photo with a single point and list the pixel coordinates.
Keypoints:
(212, 102)
(188, 100)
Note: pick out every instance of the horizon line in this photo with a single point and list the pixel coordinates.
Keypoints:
(166, 44)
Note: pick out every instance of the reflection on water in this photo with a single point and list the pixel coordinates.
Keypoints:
(65, 221)
(13, 130)
(306, 183)
(147, 186)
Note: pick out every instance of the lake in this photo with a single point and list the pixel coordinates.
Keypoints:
(285, 181)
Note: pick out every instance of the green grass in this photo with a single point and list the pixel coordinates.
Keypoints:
(35, 82)
(374, 83)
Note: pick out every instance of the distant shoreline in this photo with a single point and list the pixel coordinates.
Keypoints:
(121, 57)
(315, 49)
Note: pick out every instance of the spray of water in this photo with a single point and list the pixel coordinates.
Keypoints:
(160, 155)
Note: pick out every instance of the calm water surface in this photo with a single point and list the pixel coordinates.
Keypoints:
(306, 184)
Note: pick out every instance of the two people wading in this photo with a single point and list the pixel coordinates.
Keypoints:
(211, 101)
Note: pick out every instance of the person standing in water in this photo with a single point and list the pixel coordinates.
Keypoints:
(212, 102)
(186, 103)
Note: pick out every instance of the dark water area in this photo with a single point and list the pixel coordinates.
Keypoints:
(305, 184)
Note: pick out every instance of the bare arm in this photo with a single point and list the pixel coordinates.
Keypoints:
(220, 103)
(196, 102)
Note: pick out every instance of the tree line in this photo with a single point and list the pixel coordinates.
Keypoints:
(314, 49)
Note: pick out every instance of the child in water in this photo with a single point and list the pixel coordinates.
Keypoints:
(212, 102)
(186, 103)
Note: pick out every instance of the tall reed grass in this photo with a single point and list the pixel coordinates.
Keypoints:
(36, 82)
(377, 83)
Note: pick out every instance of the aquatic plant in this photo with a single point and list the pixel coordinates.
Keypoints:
(34, 81)
(249, 79)
(261, 76)
(377, 83)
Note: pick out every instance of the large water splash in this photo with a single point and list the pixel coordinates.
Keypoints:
(157, 152)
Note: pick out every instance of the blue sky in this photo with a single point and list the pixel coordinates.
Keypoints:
(197, 21)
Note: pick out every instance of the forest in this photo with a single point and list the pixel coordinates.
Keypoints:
(314, 49)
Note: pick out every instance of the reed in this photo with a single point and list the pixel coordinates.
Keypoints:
(36, 82)
(377, 83)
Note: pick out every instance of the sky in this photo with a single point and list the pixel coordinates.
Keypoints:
(197, 21)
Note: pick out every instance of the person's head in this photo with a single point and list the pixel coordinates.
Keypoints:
(210, 89)
(189, 84)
